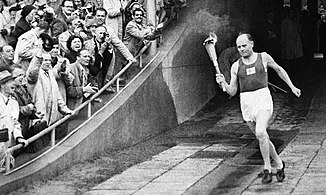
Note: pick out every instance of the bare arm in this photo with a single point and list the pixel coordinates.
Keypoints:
(231, 88)
(269, 61)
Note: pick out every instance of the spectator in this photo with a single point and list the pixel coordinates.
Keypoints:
(74, 28)
(74, 45)
(79, 3)
(87, 12)
(24, 23)
(56, 26)
(291, 41)
(65, 12)
(115, 12)
(101, 48)
(100, 16)
(160, 12)
(29, 43)
(12, 21)
(137, 32)
(269, 36)
(45, 92)
(132, 5)
(81, 86)
(60, 69)
(91, 27)
(27, 109)
(7, 57)
(9, 112)
(4, 24)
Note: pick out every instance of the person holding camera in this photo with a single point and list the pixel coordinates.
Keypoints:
(24, 23)
(56, 26)
(101, 48)
(65, 12)
(28, 44)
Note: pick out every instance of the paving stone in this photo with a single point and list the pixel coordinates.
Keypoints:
(221, 147)
(308, 191)
(159, 164)
(166, 186)
(177, 178)
(120, 185)
(110, 192)
(146, 191)
(313, 182)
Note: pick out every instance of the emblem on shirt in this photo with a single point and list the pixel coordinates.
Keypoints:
(251, 71)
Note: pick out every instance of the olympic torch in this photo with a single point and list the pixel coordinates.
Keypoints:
(209, 44)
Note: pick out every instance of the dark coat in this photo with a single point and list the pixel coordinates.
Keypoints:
(24, 98)
(20, 28)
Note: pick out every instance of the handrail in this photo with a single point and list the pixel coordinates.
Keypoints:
(76, 129)
(65, 118)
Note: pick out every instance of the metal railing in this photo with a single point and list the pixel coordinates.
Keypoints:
(51, 129)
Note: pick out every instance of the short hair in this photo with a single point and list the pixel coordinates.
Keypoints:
(73, 3)
(71, 38)
(101, 25)
(79, 53)
(138, 9)
(249, 36)
(1, 48)
(101, 9)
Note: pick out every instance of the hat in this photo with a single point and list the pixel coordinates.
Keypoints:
(5, 76)
(26, 10)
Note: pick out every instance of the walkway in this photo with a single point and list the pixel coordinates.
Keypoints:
(232, 163)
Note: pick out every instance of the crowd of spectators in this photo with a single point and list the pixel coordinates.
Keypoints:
(54, 55)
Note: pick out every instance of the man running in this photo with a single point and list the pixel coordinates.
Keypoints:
(255, 98)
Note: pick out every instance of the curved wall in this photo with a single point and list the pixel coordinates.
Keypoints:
(175, 86)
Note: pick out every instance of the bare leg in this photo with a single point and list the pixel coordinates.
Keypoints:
(272, 150)
(262, 136)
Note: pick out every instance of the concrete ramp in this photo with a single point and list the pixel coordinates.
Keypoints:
(178, 83)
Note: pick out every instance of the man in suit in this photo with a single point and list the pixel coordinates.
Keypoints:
(101, 48)
(81, 86)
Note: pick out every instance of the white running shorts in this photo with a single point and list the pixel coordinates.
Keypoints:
(253, 101)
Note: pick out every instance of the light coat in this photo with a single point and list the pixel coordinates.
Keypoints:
(115, 17)
(45, 92)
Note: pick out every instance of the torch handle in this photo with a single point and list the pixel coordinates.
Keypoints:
(218, 72)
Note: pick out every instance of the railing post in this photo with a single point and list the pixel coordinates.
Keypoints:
(89, 109)
(151, 16)
(117, 84)
(141, 61)
(8, 161)
(53, 137)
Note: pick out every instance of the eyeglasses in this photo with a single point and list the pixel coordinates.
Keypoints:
(138, 14)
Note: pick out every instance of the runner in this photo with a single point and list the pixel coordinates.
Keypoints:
(255, 98)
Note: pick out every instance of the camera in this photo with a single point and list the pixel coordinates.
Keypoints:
(85, 11)
(47, 42)
(104, 36)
